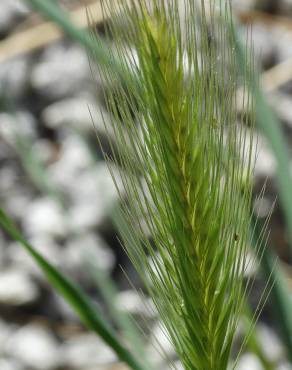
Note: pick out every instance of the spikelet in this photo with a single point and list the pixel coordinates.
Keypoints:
(183, 161)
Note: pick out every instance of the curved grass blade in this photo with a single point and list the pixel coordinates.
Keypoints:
(280, 295)
(109, 293)
(270, 126)
(74, 296)
(54, 12)
(253, 343)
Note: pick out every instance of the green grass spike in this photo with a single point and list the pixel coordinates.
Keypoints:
(184, 159)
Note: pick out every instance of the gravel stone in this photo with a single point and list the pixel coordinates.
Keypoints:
(265, 166)
(245, 5)
(284, 366)
(45, 245)
(86, 351)
(10, 364)
(74, 159)
(159, 346)
(45, 216)
(271, 345)
(16, 288)
(249, 361)
(62, 70)
(82, 113)
(17, 198)
(5, 332)
(10, 12)
(44, 150)
(133, 303)
(93, 195)
(281, 104)
(14, 74)
(34, 347)
(88, 245)
(19, 125)
(283, 44)
(264, 46)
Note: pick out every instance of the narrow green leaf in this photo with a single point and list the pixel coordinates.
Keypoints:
(270, 126)
(109, 293)
(74, 296)
(93, 46)
(253, 343)
(280, 297)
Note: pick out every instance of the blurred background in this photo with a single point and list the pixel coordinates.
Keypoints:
(55, 185)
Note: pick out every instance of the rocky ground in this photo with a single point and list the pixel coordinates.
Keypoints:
(55, 185)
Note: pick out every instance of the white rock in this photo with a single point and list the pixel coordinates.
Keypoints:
(86, 351)
(265, 165)
(85, 215)
(44, 150)
(264, 45)
(133, 303)
(270, 343)
(10, 11)
(10, 364)
(35, 347)
(18, 199)
(8, 177)
(63, 309)
(178, 365)
(284, 366)
(62, 71)
(81, 113)
(93, 195)
(283, 39)
(249, 361)
(263, 206)
(44, 245)
(243, 5)
(5, 333)
(88, 246)
(19, 125)
(44, 216)
(281, 104)
(16, 288)
(160, 348)
(74, 159)
(14, 74)
(16, 194)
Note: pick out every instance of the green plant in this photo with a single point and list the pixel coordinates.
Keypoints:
(265, 120)
(186, 170)
(192, 189)
(77, 299)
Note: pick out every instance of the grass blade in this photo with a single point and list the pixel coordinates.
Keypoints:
(109, 293)
(279, 293)
(280, 297)
(52, 11)
(74, 296)
(270, 126)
